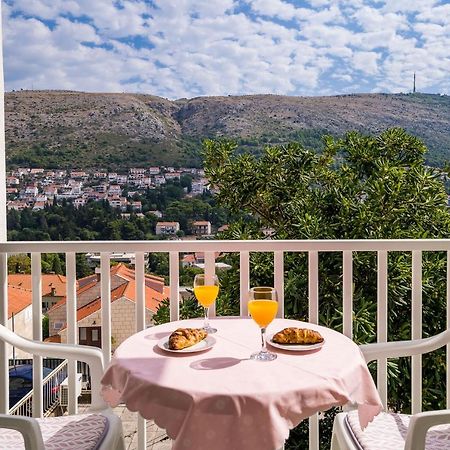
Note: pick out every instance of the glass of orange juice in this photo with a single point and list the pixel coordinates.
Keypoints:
(206, 289)
(263, 307)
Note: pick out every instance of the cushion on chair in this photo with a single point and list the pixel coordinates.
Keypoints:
(388, 432)
(80, 432)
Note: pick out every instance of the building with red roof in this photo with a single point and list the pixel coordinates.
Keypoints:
(123, 306)
(20, 316)
(53, 287)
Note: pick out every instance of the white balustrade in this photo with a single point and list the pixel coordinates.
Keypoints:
(416, 330)
(244, 281)
(448, 327)
(4, 376)
(313, 317)
(174, 273)
(279, 248)
(140, 325)
(105, 280)
(50, 392)
(382, 323)
(36, 282)
(72, 328)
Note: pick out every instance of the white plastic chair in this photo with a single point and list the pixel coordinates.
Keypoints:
(99, 429)
(391, 431)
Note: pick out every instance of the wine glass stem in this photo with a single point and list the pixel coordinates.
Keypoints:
(263, 340)
(206, 325)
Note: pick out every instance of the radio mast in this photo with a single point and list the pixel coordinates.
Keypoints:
(414, 83)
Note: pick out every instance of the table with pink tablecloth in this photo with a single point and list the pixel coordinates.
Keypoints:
(220, 399)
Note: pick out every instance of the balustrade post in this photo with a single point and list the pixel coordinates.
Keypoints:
(244, 281)
(106, 305)
(72, 327)
(4, 366)
(382, 322)
(313, 312)
(174, 269)
(416, 331)
(210, 270)
(140, 325)
(36, 279)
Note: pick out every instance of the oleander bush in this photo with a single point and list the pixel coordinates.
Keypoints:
(358, 187)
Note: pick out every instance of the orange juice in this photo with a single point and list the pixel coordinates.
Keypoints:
(263, 311)
(206, 295)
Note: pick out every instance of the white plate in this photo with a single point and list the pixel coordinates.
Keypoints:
(294, 347)
(205, 344)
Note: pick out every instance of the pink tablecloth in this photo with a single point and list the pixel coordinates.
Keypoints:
(220, 399)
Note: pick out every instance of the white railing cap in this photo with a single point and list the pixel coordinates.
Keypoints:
(227, 246)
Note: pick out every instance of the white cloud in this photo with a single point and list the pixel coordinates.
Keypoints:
(213, 47)
(366, 62)
(374, 20)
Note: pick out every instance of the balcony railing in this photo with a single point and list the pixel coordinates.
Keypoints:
(175, 249)
(51, 395)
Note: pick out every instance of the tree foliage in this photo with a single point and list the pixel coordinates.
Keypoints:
(358, 187)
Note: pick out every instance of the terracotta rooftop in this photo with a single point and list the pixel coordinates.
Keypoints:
(49, 281)
(94, 306)
(166, 224)
(55, 338)
(151, 281)
(18, 299)
(190, 258)
(155, 291)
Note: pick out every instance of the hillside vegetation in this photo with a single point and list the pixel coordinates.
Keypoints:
(111, 131)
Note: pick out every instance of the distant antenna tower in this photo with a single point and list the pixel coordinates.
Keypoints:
(414, 84)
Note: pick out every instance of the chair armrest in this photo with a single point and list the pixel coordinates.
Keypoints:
(404, 348)
(419, 425)
(90, 355)
(28, 427)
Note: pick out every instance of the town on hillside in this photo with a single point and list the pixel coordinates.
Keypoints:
(36, 188)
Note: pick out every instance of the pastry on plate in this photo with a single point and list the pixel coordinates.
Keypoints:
(299, 336)
(186, 337)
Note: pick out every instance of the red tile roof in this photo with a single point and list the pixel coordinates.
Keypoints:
(155, 291)
(167, 224)
(190, 258)
(18, 299)
(94, 306)
(152, 281)
(201, 223)
(49, 281)
(55, 338)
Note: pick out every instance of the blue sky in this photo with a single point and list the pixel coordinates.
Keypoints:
(188, 48)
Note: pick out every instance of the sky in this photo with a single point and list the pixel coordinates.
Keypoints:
(190, 48)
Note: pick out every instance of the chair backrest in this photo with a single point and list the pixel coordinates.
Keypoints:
(404, 348)
(90, 355)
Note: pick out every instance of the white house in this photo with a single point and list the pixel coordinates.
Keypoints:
(167, 227)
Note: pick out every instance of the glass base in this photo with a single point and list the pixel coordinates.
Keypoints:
(210, 330)
(263, 356)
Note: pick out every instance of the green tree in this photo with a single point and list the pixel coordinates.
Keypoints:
(359, 187)
(158, 264)
(83, 268)
(20, 263)
(56, 265)
(45, 327)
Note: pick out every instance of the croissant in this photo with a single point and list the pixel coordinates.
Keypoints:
(297, 336)
(186, 337)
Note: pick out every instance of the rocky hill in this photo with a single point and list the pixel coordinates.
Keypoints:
(77, 129)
